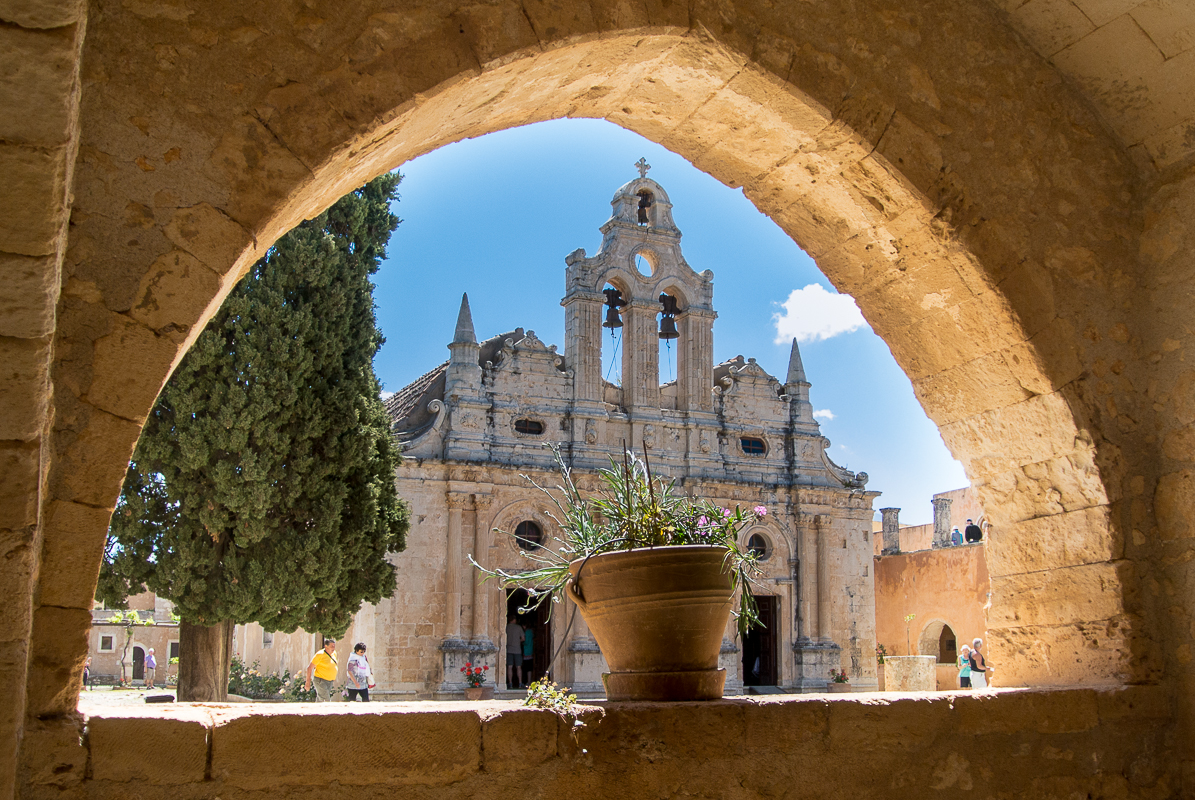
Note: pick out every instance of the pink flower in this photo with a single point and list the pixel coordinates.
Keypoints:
(726, 512)
(702, 522)
(760, 511)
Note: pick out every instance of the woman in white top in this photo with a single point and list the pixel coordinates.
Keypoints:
(360, 675)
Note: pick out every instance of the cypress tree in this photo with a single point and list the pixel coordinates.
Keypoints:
(262, 487)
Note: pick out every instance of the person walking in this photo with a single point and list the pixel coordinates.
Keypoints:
(979, 666)
(514, 653)
(324, 666)
(360, 674)
(151, 668)
(964, 667)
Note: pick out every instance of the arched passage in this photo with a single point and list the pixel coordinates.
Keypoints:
(913, 195)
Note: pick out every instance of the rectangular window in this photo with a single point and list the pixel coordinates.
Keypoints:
(173, 650)
(267, 638)
(106, 644)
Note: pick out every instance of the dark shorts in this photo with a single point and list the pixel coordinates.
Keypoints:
(965, 682)
(362, 693)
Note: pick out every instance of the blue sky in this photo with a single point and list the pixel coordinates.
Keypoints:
(495, 217)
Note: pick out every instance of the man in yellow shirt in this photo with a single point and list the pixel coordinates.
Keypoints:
(323, 664)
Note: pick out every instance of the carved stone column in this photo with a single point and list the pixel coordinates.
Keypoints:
(482, 536)
(891, 529)
(457, 505)
(942, 521)
(815, 654)
(640, 356)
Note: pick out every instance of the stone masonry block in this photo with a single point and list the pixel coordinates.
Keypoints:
(210, 235)
(1069, 595)
(72, 548)
(19, 466)
(37, 84)
(517, 740)
(32, 198)
(17, 583)
(176, 292)
(1037, 429)
(132, 363)
(94, 458)
(1048, 712)
(158, 747)
(1086, 536)
(58, 648)
(24, 387)
(42, 13)
(53, 753)
(28, 295)
(1084, 653)
(274, 749)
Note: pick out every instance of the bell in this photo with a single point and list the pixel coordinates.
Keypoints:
(613, 319)
(668, 328)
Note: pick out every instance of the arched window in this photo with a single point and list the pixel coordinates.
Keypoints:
(947, 646)
(759, 545)
(529, 535)
(646, 201)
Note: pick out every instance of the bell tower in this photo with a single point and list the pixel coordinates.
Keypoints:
(639, 288)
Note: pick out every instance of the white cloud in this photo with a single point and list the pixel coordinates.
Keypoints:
(812, 314)
(823, 413)
(386, 395)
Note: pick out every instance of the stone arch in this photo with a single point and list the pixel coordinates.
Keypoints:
(920, 203)
(928, 643)
(505, 520)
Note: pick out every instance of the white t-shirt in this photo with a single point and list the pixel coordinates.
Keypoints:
(359, 669)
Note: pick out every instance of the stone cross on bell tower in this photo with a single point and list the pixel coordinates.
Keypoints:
(641, 257)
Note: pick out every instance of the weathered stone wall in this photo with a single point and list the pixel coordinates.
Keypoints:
(1012, 241)
(1028, 744)
(946, 586)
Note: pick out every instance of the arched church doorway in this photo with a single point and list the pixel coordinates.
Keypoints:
(760, 644)
(537, 650)
(138, 663)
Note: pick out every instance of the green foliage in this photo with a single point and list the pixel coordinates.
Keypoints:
(546, 695)
(839, 676)
(250, 681)
(633, 508)
(262, 488)
(881, 653)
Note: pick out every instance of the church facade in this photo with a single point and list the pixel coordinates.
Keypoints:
(472, 428)
(473, 432)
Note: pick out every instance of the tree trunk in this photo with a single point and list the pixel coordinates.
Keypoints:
(204, 659)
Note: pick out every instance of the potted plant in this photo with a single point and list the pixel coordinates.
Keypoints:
(653, 573)
(474, 677)
(839, 681)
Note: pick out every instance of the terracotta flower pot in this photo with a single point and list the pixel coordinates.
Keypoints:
(473, 692)
(838, 688)
(658, 615)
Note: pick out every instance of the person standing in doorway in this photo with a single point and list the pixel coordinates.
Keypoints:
(360, 674)
(973, 533)
(514, 653)
(979, 666)
(528, 654)
(151, 667)
(964, 666)
(324, 666)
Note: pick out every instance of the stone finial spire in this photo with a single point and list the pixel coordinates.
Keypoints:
(464, 323)
(464, 374)
(796, 370)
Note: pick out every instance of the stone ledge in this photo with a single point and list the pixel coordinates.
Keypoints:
(855, 742)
